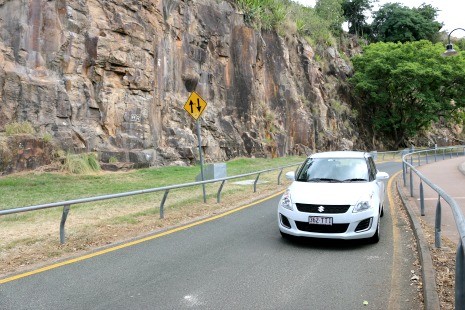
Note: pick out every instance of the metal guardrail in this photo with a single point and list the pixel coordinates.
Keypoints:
(68, 203)
(408, 161)
(389, 155)
(394, 154)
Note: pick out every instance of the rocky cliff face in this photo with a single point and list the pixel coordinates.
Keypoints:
(113, 76)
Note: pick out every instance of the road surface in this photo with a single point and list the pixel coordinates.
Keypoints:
(238, 261)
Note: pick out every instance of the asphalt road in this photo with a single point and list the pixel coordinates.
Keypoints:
(238, 261)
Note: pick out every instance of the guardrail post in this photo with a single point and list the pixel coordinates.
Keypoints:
(255, 183)
(426, 157)
(403, 173)
(218, 195)
(411, 183)
(460, 278)
(279, 177)
(422, 199)
(64, 216)
(162, 204)
(437, 225)
(419, 161)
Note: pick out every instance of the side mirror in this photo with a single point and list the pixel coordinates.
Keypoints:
(290, 175)
(382, 176)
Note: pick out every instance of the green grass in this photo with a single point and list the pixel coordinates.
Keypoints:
(32, 189)
(19, 128)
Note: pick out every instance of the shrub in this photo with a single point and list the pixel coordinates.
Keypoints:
(47, 138)
(81, 163)
(16, 128)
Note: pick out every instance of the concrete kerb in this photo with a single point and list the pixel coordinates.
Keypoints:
(462, 168)
(430, 294)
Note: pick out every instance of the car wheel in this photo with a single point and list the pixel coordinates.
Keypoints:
(381, 214)
(375, 237)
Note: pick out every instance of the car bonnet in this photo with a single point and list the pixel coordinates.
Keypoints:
(329, 193)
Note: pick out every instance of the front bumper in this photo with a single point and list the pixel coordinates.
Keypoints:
(345, 226)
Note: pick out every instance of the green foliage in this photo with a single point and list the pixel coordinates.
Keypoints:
(319, 24)
(394, 22)
(403, 88)
(81, 163)
(311, 26)
(264, 14)
(459, 44)
(332, 13)
(47, 138)
(354, 14)
(16, 128)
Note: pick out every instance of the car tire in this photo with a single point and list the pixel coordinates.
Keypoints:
(375, 238)
(381, 214)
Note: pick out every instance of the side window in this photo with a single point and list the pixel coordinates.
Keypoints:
(372, 168)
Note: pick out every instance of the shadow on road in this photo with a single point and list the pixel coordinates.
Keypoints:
(326, 244)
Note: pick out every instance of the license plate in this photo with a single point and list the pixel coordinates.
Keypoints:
(319, 220)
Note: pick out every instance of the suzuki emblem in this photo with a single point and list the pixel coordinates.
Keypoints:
(321, 209)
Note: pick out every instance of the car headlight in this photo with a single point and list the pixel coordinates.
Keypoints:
(363, 205)
(286, 201)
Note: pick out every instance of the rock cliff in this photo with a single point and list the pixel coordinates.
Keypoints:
(113, 75)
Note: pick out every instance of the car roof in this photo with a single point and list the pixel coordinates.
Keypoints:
(340, 154)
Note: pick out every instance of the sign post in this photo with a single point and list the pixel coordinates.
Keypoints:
(195, 106)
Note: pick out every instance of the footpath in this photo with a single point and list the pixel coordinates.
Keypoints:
(449, 175)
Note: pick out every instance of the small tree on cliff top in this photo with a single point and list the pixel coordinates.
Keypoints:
(403, 88)
(394, 22)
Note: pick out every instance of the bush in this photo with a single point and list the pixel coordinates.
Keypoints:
(16, 128)
(81, 163)
(47, 138)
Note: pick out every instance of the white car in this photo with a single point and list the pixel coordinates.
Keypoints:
(335, 195)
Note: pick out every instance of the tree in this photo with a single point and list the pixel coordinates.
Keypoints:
(394, 22)
(331, 11)
(354, 14)
(404, 87)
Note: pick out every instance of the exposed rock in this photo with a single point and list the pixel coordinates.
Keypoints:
(112, 76)
(24, 152)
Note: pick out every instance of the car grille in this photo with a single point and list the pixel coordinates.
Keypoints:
(363, 225)
(302, 207)
(326, 229)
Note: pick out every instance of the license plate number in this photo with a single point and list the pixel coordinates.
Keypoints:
(319, 220)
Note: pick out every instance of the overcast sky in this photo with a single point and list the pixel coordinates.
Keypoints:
(451, 12)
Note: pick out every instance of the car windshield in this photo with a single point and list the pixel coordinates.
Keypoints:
(334, 170)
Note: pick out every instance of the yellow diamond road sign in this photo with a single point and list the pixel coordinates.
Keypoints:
(195, 105)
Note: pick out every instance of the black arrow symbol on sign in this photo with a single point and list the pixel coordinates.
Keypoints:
(198, 105)
(191, 104)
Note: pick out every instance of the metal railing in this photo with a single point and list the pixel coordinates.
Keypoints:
(425, 156)
(387, 155)
(68, 203)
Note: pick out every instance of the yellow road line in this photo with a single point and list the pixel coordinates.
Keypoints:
(132, 243)
(396, 253)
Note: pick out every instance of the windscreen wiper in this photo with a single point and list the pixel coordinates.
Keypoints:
(355, 180)
(324, 180)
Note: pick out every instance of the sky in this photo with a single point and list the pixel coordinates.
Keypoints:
(451, 11)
